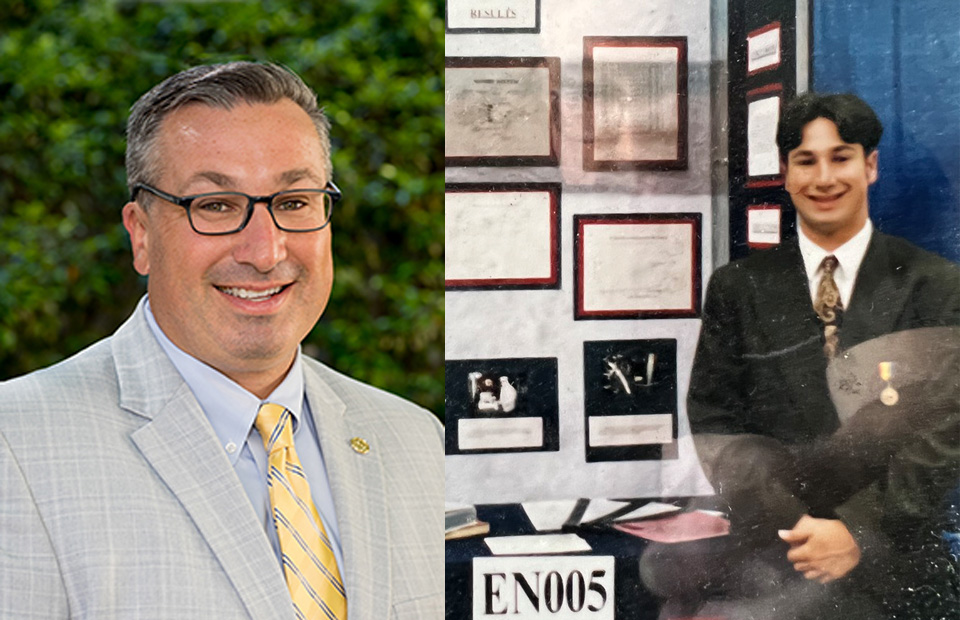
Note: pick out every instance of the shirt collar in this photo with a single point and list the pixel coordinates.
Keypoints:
(230, 408)
(849, 255)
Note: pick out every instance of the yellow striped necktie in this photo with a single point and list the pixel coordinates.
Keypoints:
(309, 565)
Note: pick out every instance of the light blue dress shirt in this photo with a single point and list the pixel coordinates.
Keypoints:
(232, 411)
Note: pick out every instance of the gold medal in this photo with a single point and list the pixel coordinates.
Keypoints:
(888, 396)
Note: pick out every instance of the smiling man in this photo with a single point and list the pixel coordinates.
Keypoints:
(827, 179)
(760, 408)
(196, 464)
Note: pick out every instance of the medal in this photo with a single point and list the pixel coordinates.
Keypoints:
(888, 396)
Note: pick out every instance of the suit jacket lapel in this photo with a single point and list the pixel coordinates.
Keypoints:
(877, 301)
(181, 446)
(357, 485)
(797, 332)
(786, 295)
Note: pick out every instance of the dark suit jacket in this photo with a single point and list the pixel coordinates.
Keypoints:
(759, 366)
(760, 369)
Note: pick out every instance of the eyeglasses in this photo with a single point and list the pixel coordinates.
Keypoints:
(225, 213)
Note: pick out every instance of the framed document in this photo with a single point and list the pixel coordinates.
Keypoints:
(630, 399)
(763, 49)
(637, 266)
(634, 103)
(763, 225)
(502, 111)
(763, 158)
(492, 16)
(502, 236)
(502, 405)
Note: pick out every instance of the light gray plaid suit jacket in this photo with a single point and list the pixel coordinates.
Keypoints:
(117, 501)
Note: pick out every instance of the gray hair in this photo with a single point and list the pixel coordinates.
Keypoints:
(219, 86)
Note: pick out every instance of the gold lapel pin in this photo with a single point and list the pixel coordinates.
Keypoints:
(359, 445)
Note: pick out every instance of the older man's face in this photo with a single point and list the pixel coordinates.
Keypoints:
(242, 302)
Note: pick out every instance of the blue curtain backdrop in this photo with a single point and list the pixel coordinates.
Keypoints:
(903, 58)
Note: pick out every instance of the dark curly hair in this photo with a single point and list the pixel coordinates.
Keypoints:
(856, 121)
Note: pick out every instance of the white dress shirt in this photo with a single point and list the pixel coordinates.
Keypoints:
(849, 256)
(232, 411)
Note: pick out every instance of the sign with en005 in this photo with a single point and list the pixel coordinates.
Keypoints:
(540, 587)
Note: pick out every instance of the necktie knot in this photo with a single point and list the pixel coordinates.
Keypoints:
(275, 424)
(829, 264)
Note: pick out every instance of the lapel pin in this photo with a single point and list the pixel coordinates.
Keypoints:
(359, 445)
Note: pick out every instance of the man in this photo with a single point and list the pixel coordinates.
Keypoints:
(760, 407)
(195, 464)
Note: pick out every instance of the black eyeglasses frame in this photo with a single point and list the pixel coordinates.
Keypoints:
(185, 201)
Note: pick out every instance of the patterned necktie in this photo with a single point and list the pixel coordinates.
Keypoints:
(309, 565)
(829, 306)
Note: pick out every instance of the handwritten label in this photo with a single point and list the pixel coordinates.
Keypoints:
(499, 433)
(763, 226)
(507, 15)
(763, 50)
(630, 430)
(493, 14)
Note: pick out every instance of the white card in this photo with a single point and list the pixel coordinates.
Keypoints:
(536, 545)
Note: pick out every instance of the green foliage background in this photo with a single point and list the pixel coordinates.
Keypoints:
(69, 72)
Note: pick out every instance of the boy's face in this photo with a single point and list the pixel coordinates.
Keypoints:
(827, 179)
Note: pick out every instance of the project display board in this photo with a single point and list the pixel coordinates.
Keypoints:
(578, 213)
